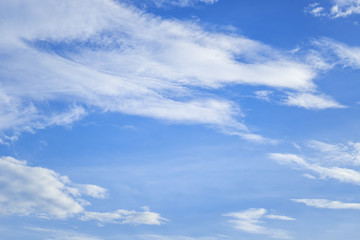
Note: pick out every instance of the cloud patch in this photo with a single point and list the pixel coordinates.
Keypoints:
(182, 3)
(250, 221)
(324, 203)
(345, 175)
(41, 192)
(337, 9)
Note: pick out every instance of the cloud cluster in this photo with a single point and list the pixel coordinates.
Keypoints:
(41, 192)
(251, 221)
(107, 56)
(339, 8)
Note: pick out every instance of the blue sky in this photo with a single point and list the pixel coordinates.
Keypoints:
(179, 119)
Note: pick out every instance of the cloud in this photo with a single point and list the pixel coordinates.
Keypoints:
(315, 10)
(324, 203)
(250, 221)
(92, 190)
(106, 56)
(41, 192)
(56, 234)
(311, 101)
(37, 191)
(263, 95)
(341, 174)
(341, 153)
(171, 237)
(339, 53)
(344, 8)
(125, 217)
(338, 8)
(182, 3)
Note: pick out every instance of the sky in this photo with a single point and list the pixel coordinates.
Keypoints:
(179, 119)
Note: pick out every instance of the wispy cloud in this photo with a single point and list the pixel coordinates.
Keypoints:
(57, 234)
(311, 101)
(263, 95)
(108, 56)
(337, 154)
(339, 53)
(251, 221)
(337, 9)
(125, 217)
(41, 192)
(168, 237)
(341, 174)
(324, 203)
(182, 3)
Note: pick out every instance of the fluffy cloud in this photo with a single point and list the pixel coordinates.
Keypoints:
(108, 56)
(250, 221)
(41, 192)
(324, 203)
(341, 174)
(29, 190)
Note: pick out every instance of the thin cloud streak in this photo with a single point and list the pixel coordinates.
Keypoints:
(324, 203)
(341, 174)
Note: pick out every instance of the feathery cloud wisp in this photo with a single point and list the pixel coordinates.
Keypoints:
(112, 57)
(250, 221)
(324, 203)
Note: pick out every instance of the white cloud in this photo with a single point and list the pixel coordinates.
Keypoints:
(339, 8)
(324, 203)
(315, 9)
(263, 95)
(311, 101)
(41, 192)
(56, 234)
(171, 237)
(112, 57)
(92, 190)
(341, 174)
(279, 217)
(341, 153)
(125, 217)
(348, 56)
(344, 8)
(182, 3)
(250, 221)
(29, 190)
